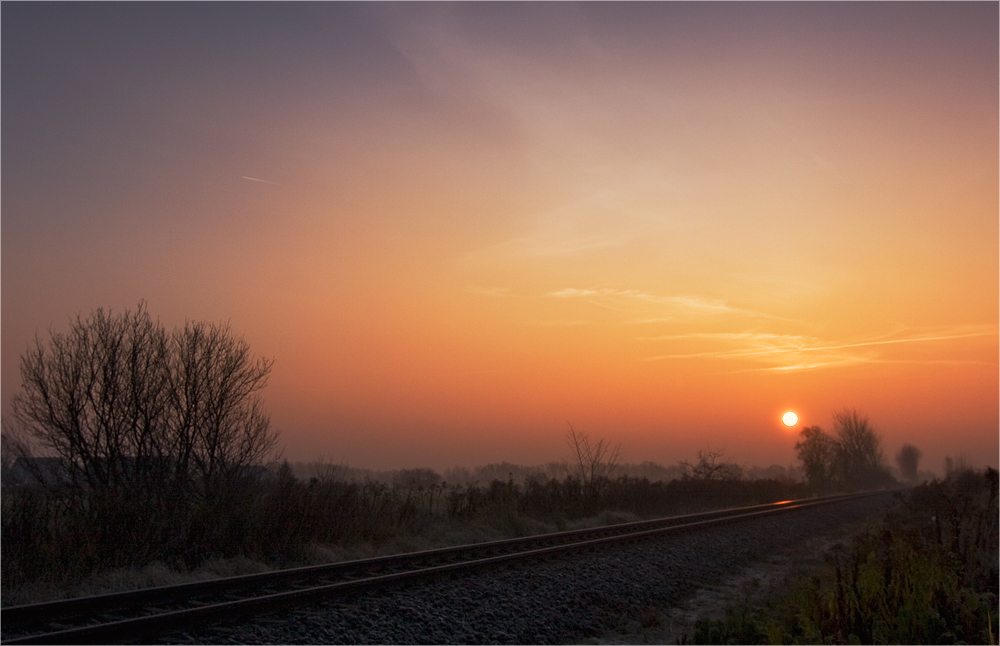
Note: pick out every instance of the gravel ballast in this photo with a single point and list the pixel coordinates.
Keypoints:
(562, 599)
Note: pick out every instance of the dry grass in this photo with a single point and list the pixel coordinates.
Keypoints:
(58, 543)
(927, 574)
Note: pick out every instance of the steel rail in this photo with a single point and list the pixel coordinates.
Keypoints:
(49, 615)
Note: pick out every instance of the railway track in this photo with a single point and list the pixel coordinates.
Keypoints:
(141, 614)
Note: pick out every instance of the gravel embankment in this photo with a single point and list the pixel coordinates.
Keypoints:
(558, 600)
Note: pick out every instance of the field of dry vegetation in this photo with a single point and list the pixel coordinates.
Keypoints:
(926, 574)
(62, 540)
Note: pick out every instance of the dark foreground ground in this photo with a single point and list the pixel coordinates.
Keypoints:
(926, 573)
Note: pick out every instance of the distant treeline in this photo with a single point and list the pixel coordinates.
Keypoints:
(520, 474)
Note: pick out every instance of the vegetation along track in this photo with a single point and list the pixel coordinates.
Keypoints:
(144, 613)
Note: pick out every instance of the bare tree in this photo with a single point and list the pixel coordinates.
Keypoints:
(219, 426)
(850, 459)
(816, 450)
(121, 402)
(859, 461)
(96, 395)
(908, 459)
(711, 467)
(595, 464)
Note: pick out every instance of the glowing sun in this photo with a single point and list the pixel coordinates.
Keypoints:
(789, 418)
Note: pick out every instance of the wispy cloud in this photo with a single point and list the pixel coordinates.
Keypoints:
(785, 352)
(262, 181)
(836, 363)
(723, 336)
(676, 305)
(961, 333)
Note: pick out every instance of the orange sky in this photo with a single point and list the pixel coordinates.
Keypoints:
(457, 228)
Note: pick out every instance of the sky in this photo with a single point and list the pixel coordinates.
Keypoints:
(458, 229)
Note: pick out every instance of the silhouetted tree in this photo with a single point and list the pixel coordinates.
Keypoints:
(711, 467)
(816, 451)
(850, 459)
(858, 460)
(122, 402)
(218, 427)
(908, 459)
(96, 396)
(594, 464)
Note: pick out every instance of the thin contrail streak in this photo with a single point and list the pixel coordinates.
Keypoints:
(263, 181)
